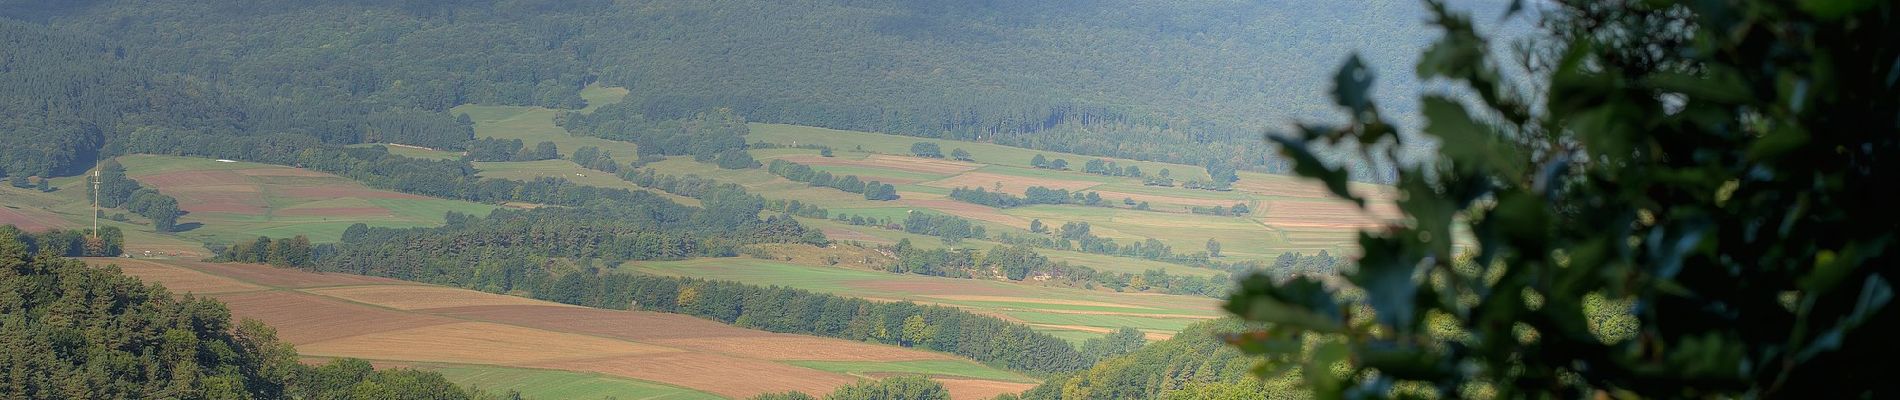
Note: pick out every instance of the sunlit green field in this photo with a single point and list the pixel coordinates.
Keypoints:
(552, 384)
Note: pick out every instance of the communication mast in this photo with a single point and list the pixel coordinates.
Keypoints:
(95, 200)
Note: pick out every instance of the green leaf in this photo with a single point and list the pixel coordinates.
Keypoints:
(1406, 363)
(1385, 272)
(1835, 9)
(1351, 84)
(1302, 302)
(1319, 371)
(1306, 164)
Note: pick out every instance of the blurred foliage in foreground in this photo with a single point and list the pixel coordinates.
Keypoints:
(1694, 201)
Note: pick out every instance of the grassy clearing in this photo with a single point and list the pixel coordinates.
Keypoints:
(413, 152)
(236, 201)
(553, 384)
(940, 368)
(536, 124)
(67, 207)
(597, 96)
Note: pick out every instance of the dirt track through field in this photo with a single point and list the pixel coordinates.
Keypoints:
(335, 315)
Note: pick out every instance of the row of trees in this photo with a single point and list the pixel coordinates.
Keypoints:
(79, 332)
(1032, 196)
(872, 190)
(117, 190)
(903, 387)
(288, 252)
(497, 150)
(69, 243)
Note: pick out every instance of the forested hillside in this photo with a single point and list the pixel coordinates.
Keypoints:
(1197, 364)
(1190, 83)
(76, 332)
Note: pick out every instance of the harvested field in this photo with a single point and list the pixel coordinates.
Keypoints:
(926, 288)
(29, 220)
(478, 343)
(422, 326)
(982, 389)
(1100, 330)
(1307, 214)
(717, 374)
(899, 163)
(356, 192)
(177, 280)
(284, 278)
(413, 297)
(302, 318)
(337, 212)
(686, 333)
(229, 202)
(1015, 184)
(1011, 299)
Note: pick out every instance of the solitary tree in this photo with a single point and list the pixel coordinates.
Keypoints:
(1213, 248)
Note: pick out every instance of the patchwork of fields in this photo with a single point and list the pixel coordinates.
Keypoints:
(502, 342)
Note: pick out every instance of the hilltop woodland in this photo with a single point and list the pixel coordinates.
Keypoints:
(78, 332)
(1719, 186)
(344, 71)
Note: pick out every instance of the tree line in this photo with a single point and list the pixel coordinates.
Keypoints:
(872, 190)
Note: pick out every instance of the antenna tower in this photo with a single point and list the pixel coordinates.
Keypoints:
(95, 200)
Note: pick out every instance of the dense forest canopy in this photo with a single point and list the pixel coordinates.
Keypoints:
(1186, 82)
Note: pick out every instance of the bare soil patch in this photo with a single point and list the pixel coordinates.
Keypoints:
(175, 279)
(477, 343)
(302, 318)
(1011, 183)
(416, 297)
(713, 373)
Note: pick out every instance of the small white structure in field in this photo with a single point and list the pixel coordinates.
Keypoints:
(225, 161)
